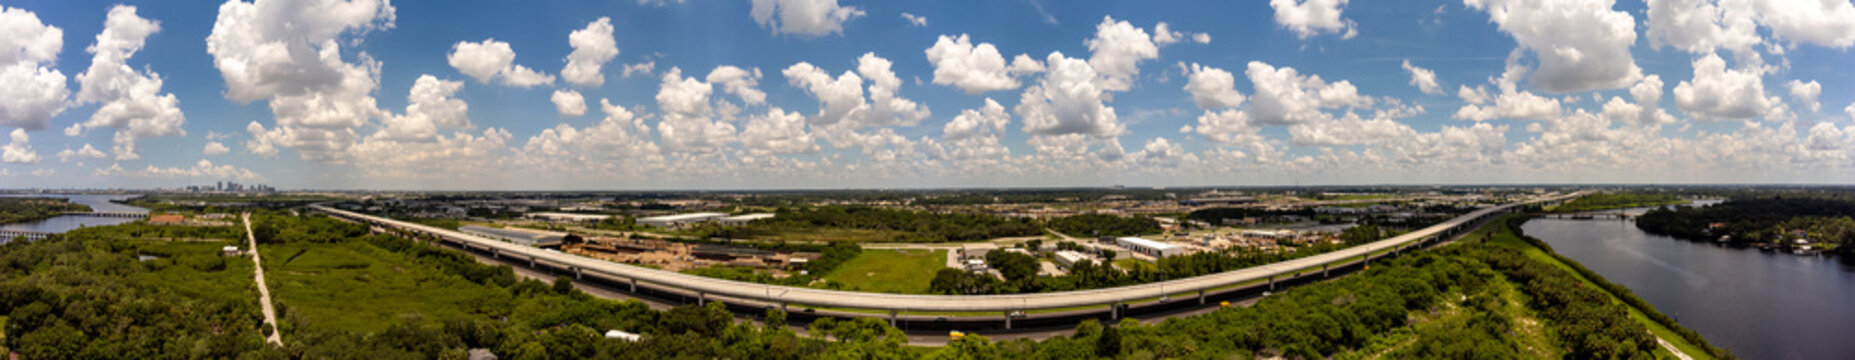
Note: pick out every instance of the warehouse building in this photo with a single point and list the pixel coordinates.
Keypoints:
(1069, 258)
(743, 219)
(680, 220)
(1149, 247)
(567, 217)
(536, 238)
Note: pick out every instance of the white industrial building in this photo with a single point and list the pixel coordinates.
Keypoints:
(1266, 234)
(743, 219)
(528, 237)
(567, 217)
(1149, 247)
(1069, 258)
(681, 220)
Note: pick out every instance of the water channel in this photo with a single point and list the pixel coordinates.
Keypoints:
(60, 224)
(1759, 305)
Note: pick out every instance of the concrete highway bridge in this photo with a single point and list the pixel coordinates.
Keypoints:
(1172, 295)
(9, 235)
(114, 214)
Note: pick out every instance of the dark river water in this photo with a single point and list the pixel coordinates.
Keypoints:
(67, 222)
(1759, 305)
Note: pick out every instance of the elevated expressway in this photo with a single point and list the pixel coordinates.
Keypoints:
(703, 287)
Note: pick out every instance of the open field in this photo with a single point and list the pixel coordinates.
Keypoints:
(324, 285)
(890, 271)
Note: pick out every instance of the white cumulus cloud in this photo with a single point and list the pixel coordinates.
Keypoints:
(132, 100)
(1314, 17)
(1117, 50)
(1806, 93)
(973, 68)
(569, 103)
(803, 17)
(87, 152)
(214, 148)
(1721, 93)
(290, 52)
(19, 149)
(1423, 79)
(1581, 44)
(593, 46)
(1212, 88)
(34, 91)
(489, 60)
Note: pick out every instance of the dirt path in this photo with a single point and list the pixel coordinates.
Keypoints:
(1671, 348)
(264, 291)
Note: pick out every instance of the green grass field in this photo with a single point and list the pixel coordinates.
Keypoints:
(1501, 235)
(358, 287)
(890, 271)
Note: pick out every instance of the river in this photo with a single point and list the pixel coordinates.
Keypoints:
(65, 223)
(1759, 305)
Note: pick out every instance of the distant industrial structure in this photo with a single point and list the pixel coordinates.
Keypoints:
(680, 220)
(535, 238)
(567, 217)
(685, 220)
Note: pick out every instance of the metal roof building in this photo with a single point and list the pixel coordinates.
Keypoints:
(515, 235)
(743, 219)
(680, 220)
(555, 216)
(1149, 247)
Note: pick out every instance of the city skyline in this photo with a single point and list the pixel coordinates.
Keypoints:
(803, 94)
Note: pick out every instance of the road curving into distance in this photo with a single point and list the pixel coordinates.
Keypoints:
(787, 295)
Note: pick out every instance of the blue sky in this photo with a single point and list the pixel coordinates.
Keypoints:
(1318, 93)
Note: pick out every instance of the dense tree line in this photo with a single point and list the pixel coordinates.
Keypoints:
(1104, 225)
(912, 226)
(1513, 224)
(1769, 220)
(25, 209)
(1608, 201)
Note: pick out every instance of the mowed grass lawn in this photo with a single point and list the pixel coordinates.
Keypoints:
(359, 287)
(890, 271)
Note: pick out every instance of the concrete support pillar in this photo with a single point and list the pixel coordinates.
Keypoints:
(782, 306)
(531, 262)
(1271, 282)
(1114, 311)
(495, 254)
(892, 314)
(1200, 297)
(578, 274)
(1007, 320)
(1323, 271)
(702, 298)
(634, 285)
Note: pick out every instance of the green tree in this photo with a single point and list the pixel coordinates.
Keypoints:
(563, 285)
(1109, 343)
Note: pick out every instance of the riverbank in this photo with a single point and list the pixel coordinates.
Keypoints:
(1506, 232)
(1602, 202)
(29, 209)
